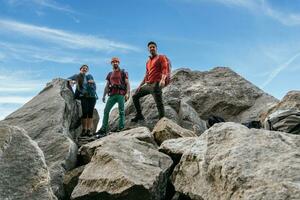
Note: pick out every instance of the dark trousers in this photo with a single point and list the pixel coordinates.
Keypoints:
(87, 105)
(155, 90)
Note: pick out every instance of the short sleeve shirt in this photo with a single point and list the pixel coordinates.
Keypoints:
(115, 79)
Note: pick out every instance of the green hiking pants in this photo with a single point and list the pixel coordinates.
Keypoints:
(111, 101)
(155, 90)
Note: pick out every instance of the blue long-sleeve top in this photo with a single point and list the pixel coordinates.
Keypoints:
(88, 89)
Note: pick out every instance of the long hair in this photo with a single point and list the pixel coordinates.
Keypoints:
(80, 78)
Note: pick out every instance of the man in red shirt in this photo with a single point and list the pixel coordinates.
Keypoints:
(118, 89)
(153, 82)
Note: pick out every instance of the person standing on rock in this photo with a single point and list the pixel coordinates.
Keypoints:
(86, 93)
(156, 77)
(118, 89)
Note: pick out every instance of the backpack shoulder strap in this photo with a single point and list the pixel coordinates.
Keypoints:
(123, 75)
(89, 77)
(108, 77)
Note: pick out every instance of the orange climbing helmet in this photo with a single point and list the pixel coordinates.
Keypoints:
(115, 59)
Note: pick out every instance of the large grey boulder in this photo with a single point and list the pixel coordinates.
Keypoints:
(87, 151)
(23, 170)
(150, 112)
(71, 180)
(166, 129)
(290, 101)
(284, 120)
(230, 161)
(47, 119)
(284, 116)
(176, 147)
(124, 169)
(96, 119)
(220, 92)
(189, 118)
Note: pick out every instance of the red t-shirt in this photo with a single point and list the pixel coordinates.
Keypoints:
(115, 78)
(155, 68)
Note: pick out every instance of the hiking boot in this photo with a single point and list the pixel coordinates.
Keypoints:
(116, 129)
(137, 118)
(89, 133)
(101, 133)
(120, 129)
(98, 136)
(83, 133)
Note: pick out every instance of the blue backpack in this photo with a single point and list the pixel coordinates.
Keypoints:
(89, 89)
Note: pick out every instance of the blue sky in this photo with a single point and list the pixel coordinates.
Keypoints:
(44, 39)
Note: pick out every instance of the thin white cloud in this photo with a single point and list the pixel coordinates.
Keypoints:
(39, 13)
(2, 56)
(33, 54)
(12, 85)
(43, 3)
(282, 67)
(16, 87)
(40, 5)
(250, 4)
(54, 5)
(5, 111)
(261, 7)
(14, 99)
(67, 59)
(18, 81)
(63, 38)
(289, 19)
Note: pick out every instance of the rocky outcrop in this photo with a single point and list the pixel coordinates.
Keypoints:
(284, 116)
(23, 170)
(124, 168)
(219, 91)
(71, 180)
(166, 129)
(227, 161)
(290, 101)
(87, 151)
(190, 119)
(230, 161)
(96, 119)
(47, 119)
(150, 113)
(176, 147)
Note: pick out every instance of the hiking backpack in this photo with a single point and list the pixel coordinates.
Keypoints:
(89, 91)
(123, 85)
(168, 78)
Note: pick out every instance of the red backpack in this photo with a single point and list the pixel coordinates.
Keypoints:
(168, 78)
(123, 85)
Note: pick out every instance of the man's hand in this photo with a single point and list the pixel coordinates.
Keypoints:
(162, 83)
(72, 82)
(103, 99)
(126, 97)
(91, 81)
